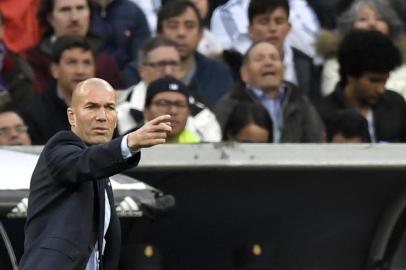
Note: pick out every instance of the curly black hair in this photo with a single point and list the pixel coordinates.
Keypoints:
(366, 51)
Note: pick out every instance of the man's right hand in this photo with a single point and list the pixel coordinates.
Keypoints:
(152, 133)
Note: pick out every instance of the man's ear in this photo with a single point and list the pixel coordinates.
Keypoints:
(244, 73)
(71, 117)
(55, 71)
(146, 113)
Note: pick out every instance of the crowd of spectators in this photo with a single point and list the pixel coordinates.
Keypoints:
(269, 71)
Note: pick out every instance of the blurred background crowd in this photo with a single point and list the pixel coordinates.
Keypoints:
(262, 71)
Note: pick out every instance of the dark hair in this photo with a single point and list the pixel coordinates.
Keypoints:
(366, 51)
(175, 8)
(153, 43)
(64, 43)
(258, 7)
(46, 7)
(245, 113)
(348, 123)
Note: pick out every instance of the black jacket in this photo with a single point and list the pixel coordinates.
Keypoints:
(62, 217)
(389, 113)
(301, 122)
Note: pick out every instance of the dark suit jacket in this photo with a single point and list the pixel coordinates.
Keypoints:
(389, 113)
(61, 227)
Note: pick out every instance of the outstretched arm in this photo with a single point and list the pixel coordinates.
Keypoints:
(152, 133)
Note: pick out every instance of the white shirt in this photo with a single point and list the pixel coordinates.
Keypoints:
(229, 23)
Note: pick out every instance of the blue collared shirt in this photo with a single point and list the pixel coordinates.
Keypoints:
(274, 105)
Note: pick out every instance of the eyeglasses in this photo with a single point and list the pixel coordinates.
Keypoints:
(162, 64)
(167, 104)
(17, 128)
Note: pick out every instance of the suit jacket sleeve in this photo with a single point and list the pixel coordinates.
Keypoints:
(69, 160)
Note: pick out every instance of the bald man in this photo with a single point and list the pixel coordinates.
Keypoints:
(71, 220)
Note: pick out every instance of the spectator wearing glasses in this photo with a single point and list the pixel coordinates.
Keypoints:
(168, 95)
(159, 57)
(13, 131)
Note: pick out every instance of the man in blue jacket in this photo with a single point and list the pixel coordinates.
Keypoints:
(71, 220)
(207, 79)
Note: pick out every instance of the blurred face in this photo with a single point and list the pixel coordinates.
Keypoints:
(172, 103)
(162, 61)
(368, 19)
(264, 67)
(252, 133)
(74, 66)
(13, 131)
(93, 114)
(271, 26)
(340, 138)
(70, 17)
(202, 6)
(185, 30)
(369, 88)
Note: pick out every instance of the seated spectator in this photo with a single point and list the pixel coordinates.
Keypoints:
(13, 131)
(293, 116)
(67, 17)
(347, 126)
(16, 76)
(72, 62)
(230, 24)
(123, 27)
(366, 59)
(269, 20)
(365, 15)
(159, 57)
(170, 96)
(207, 79)
(249, 123)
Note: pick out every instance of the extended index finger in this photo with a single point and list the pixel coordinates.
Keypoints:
(160, 119)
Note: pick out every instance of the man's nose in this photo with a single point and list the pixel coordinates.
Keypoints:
(74, 15)
(101, 115)
(271, 27)
(82, 69)
(181, 31)
(168, 70)
(380, 89)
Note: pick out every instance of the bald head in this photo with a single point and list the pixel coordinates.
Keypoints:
(83, 88)
(93, 114)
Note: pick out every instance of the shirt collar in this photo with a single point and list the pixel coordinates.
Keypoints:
(258, 93)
